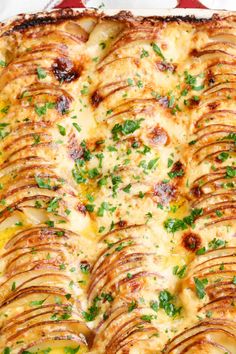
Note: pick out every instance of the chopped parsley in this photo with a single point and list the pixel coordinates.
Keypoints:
(3, 132)
(132, 306)
(37, 303)
(213, 244)
(90, 207)
(107, 297)
(105, 207)
(41, 73)
(5, 110)
(101, 229)
(178, 173)
(189, 220)
(77, 127)
(201, 251)
(70, 350)
(230, 136)
(92, 312)
(50, 223)
(166, 303)
(154, 305)
(86, 152)
(127, 127)
(200, 287)
(6, 350)
(192, 142)
(144, 54)
(189, 79)
(127, 188)
(223, 156)
(152, 163)
(3, 63)
(208, 314)
(216, 243)
(62, 130)
(192, 81)
(139, 84)
(43, 183)
(170, 162)
(100, 157)
(85, 90)
(116, 180)
(84, 267)
(130, 82)
(157, 50)
(147, 318)
(111, 148)
(93, 173)
(180, 271)
(36, 138)
(53, 205)
(42, 109)
(102, 181)
(230, 172)
(173, 225)
(102, 45)
(78, 177)
(38, 204)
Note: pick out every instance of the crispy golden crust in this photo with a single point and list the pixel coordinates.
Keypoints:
(26, 21)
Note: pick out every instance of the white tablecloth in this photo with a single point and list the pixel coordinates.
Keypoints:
(9, 8)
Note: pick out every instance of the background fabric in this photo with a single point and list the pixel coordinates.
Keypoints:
(9, 8)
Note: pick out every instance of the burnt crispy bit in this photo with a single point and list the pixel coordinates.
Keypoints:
(191, 241)
(75, 150)
(151, 20)
(82, 208)
(25, 23)
(96, 98)
(63, 104)
(193, 101)
(159, 136)
(177, 170)
(213, 105)
(85, 267)
(134, 142)
(210, 78)
(164, 66)
(122, 223)
(64, 70)
(196, 191)
(164, 101)
(165, 191)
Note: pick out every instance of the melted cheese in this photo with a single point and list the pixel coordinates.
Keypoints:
(117, 185)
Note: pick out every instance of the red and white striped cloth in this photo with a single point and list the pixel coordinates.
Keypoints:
(198, 4)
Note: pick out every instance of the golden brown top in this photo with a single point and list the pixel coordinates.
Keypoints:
(117, 184)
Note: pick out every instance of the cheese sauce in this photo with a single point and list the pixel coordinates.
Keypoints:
(117, 185)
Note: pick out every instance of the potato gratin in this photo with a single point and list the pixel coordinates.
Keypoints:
(117, 184)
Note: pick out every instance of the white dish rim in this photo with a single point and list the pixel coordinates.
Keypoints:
(198, 13)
